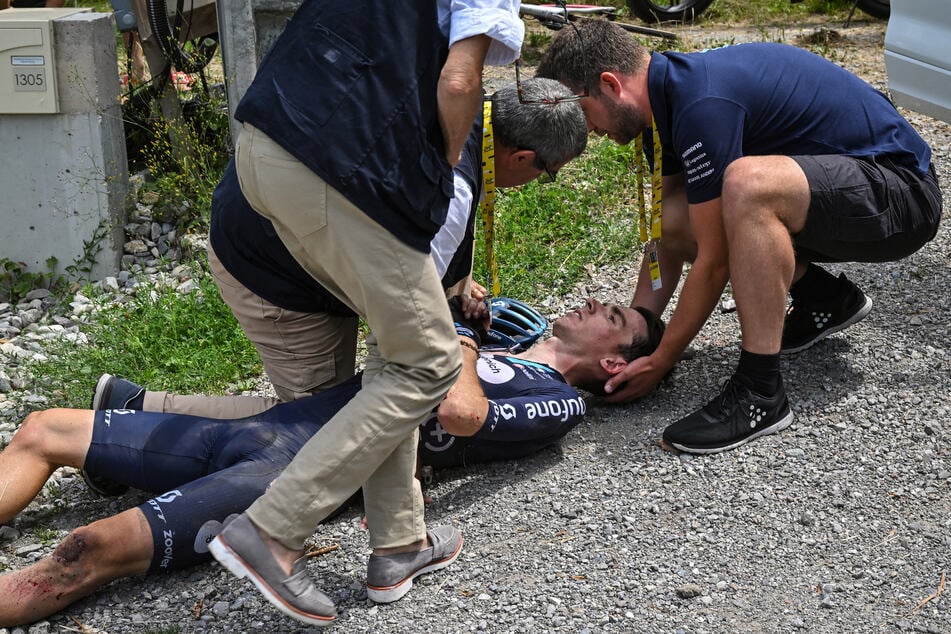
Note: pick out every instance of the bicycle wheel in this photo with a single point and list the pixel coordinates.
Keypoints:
(876, 8)
(189, 57)
(684, 11)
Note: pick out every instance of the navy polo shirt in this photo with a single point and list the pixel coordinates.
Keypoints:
(714, 106)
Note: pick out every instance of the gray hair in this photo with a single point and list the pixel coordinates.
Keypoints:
(555, 130)
(577, 58)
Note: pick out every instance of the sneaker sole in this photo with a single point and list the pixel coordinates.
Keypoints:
(390, 594)
(779, 425)
(101, 394)
(237, 566)
(857, 317)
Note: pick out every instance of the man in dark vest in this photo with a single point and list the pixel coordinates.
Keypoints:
(351, 127)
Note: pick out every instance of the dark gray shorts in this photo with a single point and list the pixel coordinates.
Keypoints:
(866, 209)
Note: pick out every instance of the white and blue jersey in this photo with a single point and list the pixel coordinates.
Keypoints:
(530, 408)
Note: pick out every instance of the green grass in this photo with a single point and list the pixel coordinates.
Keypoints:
(757, 11)
(161, 338)
(547, 234)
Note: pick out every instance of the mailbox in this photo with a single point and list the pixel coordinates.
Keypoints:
(28, 61)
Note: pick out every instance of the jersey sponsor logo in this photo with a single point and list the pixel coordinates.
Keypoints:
(435, 438)
(505, 411)
(492, 371)
(697, 168)
(168, 548)
(166, 498)
(208, 531)
(562, 409)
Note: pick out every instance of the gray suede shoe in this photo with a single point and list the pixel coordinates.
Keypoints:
(389, 577)
(239, 548)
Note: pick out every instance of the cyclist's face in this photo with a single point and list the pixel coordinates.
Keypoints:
(596, 327)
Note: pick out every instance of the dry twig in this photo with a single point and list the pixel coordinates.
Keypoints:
(317, 552)
(934, 595)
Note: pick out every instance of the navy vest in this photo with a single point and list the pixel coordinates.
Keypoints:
(349, 88)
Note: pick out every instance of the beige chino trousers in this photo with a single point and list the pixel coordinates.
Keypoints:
(413, 354)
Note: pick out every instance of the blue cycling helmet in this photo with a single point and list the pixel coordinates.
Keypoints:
(515, 325)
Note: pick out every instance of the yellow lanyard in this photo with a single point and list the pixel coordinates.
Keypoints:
(651, 232)
(488, 201)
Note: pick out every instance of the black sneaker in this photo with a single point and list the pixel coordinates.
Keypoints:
(112, 393)
(807, 322)
(736, 416)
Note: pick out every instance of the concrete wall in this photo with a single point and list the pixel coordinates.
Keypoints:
(64, 177)
(247, 28)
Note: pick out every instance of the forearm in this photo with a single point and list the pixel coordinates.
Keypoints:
(465, 407)
(702, 288)
(459, 92)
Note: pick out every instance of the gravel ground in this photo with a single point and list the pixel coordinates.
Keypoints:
(842, 523)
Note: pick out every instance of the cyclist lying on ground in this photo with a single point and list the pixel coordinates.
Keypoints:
(502, 406)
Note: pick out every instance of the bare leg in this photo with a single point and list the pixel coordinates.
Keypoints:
(89, 557)
(765, 199)
(46, 441)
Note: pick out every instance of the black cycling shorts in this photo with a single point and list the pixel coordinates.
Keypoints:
(866, 209)
(207, 469)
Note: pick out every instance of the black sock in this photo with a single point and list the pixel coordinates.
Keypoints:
(760, 372)
(817, 284)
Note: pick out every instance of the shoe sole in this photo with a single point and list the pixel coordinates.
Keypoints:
(240, 569)
(779, 425)
(857, 317)
(101, 394)
(390, 594)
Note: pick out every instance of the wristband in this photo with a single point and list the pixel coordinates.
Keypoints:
(468, 344)
(465, 331)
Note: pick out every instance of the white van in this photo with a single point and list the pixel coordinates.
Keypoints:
(918, 56)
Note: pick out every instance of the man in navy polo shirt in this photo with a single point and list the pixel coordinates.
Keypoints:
(772, 159)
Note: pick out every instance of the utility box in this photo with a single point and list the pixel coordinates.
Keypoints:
(27, 60)
(64, 184)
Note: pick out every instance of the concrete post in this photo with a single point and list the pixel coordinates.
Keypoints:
(247, 29)
(64, 186)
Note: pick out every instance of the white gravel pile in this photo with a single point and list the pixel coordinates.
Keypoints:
(842, 523)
